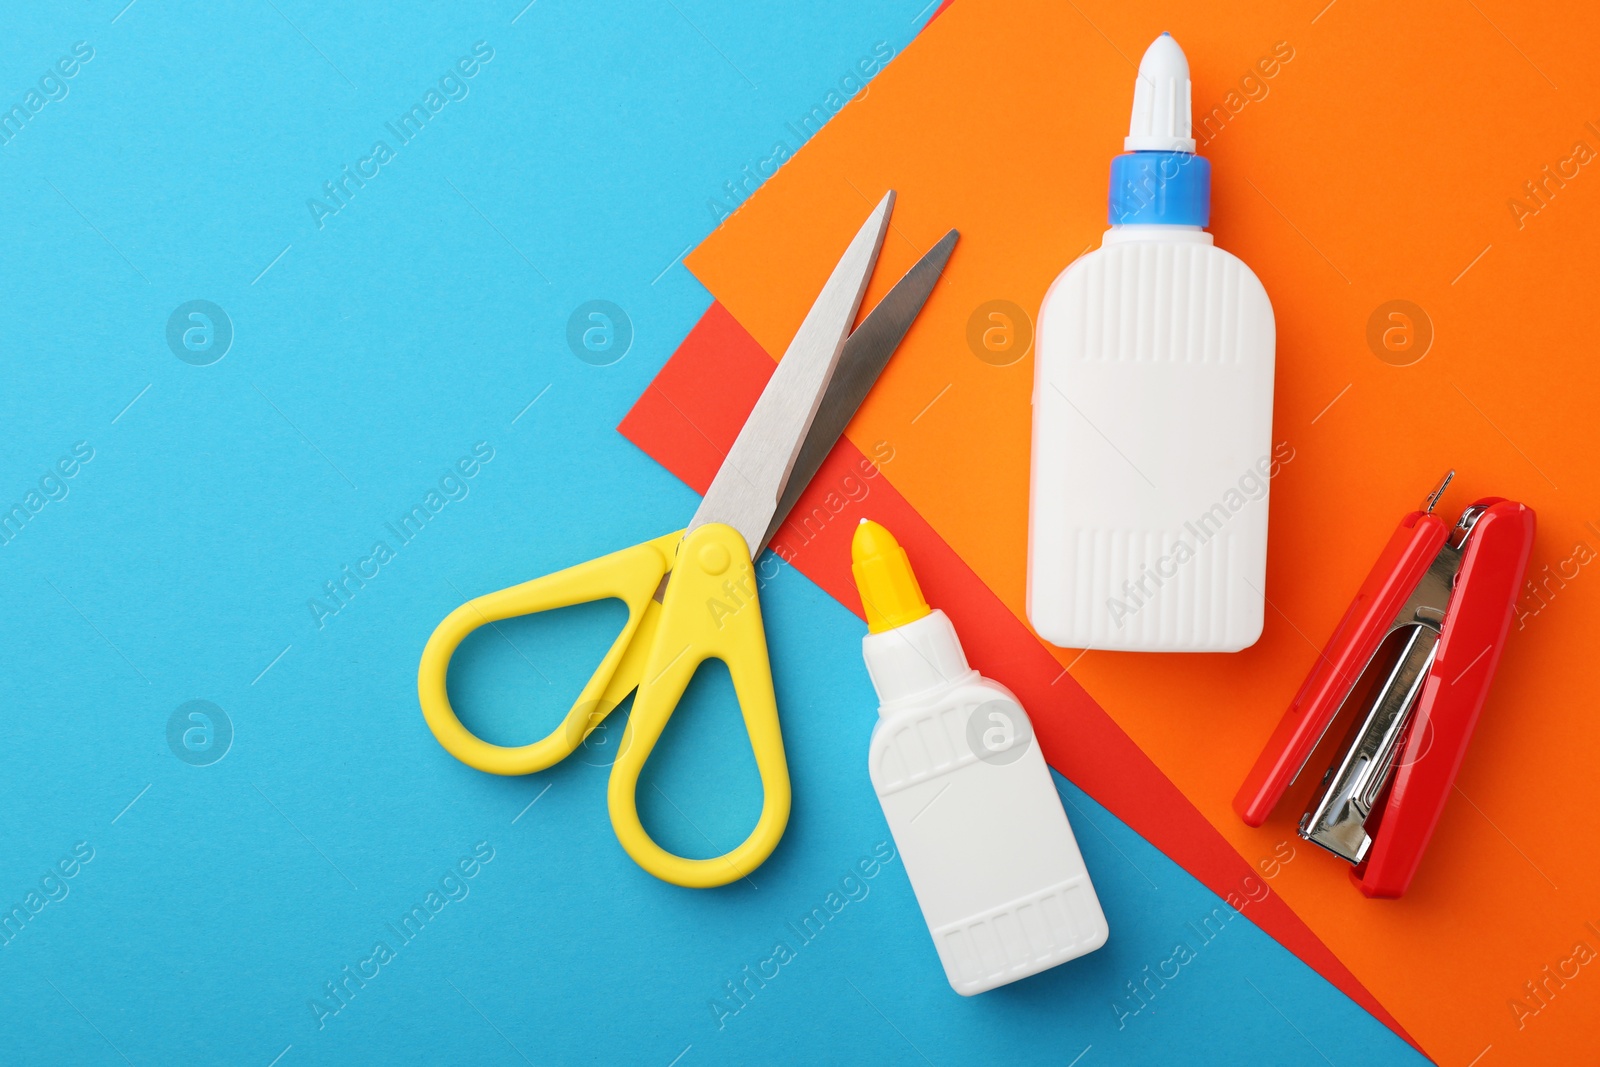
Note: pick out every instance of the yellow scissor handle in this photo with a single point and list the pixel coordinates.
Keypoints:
(710, 612)
(631, 575)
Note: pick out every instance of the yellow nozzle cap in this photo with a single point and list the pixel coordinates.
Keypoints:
(888, 588)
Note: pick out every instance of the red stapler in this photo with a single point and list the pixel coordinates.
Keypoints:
(1413, 656)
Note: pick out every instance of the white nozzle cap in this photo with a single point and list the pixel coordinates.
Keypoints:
(1161, 120)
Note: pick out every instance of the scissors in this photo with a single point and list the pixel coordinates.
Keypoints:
(691, 595)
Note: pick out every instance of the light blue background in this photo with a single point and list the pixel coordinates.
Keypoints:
(368, 357)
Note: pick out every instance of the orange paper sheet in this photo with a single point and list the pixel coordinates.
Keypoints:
(1437, 154)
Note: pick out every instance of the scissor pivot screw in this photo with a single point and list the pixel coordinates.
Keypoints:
(713, 558)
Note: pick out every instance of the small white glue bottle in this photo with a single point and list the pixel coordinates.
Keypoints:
(974, 813)
(1152, 411)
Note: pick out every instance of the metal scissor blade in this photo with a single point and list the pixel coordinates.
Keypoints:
(866, 353)
(745, 492)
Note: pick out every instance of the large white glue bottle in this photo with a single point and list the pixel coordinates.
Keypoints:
(1152, 411)
(973, 809)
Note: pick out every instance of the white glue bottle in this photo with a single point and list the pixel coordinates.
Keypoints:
(964, 787)
(1152, 411)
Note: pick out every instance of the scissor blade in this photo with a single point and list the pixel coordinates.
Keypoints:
(745, 492)
(866, 353)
